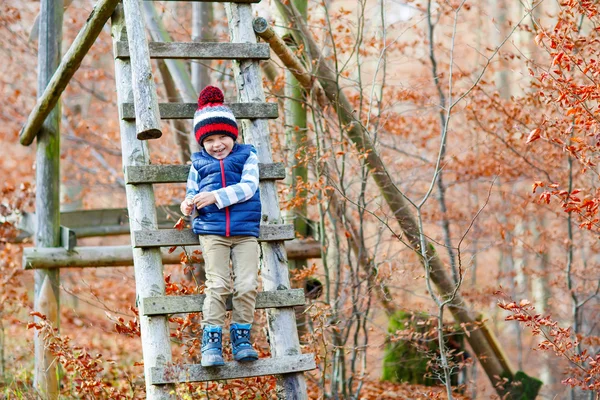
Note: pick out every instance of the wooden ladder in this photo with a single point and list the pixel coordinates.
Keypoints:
(138, 106)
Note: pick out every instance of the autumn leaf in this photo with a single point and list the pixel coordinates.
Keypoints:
(533, 135)
(172, 249)
(180, 225)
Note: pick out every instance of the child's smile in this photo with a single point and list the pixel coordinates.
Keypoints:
(218, 146)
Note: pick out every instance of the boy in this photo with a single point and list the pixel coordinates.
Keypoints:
(223, 186)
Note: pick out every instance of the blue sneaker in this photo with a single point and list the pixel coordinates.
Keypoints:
(212, 346)
(240, 343)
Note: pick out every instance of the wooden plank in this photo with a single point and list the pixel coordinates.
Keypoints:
(179, 173)
(232, 370)
(187, 110)
(67, 68)
(174, 237)
(201, 50)
(189, 304)
(147, 118)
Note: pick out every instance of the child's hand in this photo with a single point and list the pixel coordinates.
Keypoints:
(204, 199)
(186, 207)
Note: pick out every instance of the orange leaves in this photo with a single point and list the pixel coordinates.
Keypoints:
(180, 225)
(558, 58)
(533, 135)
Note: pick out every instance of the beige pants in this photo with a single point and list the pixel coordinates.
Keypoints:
(243, 253)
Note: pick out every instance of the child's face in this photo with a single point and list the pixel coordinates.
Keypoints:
(218, 146)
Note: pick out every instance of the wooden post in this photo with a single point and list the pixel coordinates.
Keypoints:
(147, 117)
(274, 269)
(149, 280)
(47, 203)
(69, 65)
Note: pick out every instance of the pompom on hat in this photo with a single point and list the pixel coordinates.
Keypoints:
(212, 117)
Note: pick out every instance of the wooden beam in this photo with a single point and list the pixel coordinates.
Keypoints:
(147, 118)
(179, 173)
(174, 237)
(188, 304)
(201, 50)
(232, 370)
(187, 110)
(122, 256)
(67, 68)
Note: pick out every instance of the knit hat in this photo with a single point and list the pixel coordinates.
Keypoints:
(212, 116)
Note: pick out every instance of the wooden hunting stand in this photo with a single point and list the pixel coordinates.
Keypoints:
(140, 115)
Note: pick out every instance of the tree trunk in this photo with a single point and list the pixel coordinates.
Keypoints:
(47, 202)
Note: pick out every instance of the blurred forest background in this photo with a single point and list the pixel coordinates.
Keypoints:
(485, 116)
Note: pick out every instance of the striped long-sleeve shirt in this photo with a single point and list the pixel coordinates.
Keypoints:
(227, 196)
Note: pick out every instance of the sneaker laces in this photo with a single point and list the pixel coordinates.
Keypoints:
(242, 337)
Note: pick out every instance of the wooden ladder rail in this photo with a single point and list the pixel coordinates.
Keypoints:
(274, 273)
(148, 268)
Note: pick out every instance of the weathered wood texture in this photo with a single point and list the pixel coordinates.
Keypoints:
(174, 237)
(148, 270)
(189, 304)
(47, 199)
(233, 370)
(202, 51)
(179, 173)
(491, 361)
(145, 98)
(67, 68)
(274, 270)
(187, 110)
(100, 222)
(68, 239)
(122, 256)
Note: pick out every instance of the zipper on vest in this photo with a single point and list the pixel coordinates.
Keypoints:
(224, 183)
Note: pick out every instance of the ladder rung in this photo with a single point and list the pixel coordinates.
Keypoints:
(232, 370)
(163, 305)
(174, 237)
(187, 110)
(201, 50)
(179, 173)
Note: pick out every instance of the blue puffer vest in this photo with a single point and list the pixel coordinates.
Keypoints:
(238, 219)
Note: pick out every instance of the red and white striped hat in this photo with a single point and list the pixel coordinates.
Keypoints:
(212, 116)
